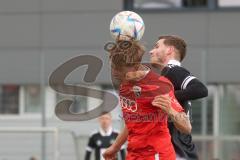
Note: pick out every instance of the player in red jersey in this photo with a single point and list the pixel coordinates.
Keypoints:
(147, 101)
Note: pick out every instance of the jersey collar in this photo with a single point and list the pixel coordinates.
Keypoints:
(103, 133)
(174, 62)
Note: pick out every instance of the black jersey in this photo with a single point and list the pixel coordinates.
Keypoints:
(187, 87)
(99, 142)
(180, 78)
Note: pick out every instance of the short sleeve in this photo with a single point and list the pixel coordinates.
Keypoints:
(91, 144)
(179, 76)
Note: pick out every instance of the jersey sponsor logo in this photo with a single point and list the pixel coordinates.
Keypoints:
(128, 104)
(148, 117)
(137, 90)
(99, 142)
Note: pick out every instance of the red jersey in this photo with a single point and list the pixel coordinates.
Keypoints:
(147, 124)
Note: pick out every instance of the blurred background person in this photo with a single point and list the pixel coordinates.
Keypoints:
(33, 158)
(100, 140)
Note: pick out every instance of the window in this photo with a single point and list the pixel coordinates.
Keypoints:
(228, 3)
(32, 99)
(230, 110)
(9, 99)
(195, 3)
(80, 103)
(18, 100)
(178, 5)
(83, 104)
(197, 115)
(156, 4)
(169, 4)
(222, 123)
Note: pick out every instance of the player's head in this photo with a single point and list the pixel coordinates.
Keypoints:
(33, 158)
(105, 121)
(125, 57)
(168, 47)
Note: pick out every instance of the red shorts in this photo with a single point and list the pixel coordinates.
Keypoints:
(157, 156)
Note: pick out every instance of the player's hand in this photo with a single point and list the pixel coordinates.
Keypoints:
(110, 153)
(163, 102)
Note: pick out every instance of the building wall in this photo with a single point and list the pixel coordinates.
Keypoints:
(38, 36)
(215, 33)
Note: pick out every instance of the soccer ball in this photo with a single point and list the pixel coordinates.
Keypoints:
(127, 25)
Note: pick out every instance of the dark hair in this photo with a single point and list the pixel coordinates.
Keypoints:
(177, 42)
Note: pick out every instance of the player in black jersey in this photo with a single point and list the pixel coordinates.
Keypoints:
(167, 55)
(100, 140)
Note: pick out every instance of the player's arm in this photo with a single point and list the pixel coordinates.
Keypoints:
(87, 155)
(187, 87)
(194, 90)
(181, 121)
(111, 152)
(89, 148)
(174, 111)
(120, 140)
